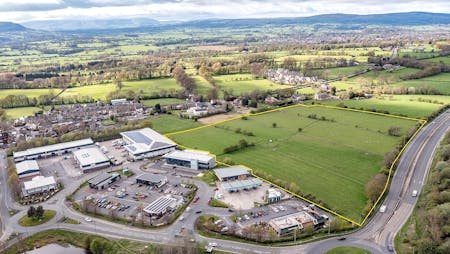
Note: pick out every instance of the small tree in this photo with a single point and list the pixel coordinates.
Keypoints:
(39, 212)
(300, 129)
(274, 125)
(119, 84)
(394, 131)
(375, 186)
(158, 108)
(31, 212)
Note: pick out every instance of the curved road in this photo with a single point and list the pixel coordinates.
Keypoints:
(375, 236)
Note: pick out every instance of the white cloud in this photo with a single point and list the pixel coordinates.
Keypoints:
(199, 9)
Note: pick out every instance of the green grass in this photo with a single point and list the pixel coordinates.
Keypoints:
(441, 82)
(330, 160)
(31, 93)
(347, 250)
(245, 83)
(172, 123)
(217, 203)
(408, 105)
(340, 72)
(162, 101)
(25, 221)
(208, 177)
(70, 221)
(202, 85)
(442, 59)
(14, 113)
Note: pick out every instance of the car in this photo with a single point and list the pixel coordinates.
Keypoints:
(181, 218)
(88, 219)
(230, 210)
(414, 193)
(198, 212)
(213, 244)
(342, 238)
(390, 248)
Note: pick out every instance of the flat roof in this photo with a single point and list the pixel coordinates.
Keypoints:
(90, 155)
(28, 165)
(241, 184)
(299, 217)
(188, 155)
(55, 147)
(39, 181)
(146, 140)
(285, 222)
(149, 177)
(231, 172)
(161, 205)
(101, 178)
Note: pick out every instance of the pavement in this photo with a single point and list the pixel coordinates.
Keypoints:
(375, 235)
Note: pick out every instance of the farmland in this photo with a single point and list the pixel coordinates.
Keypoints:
(330, 159)
(31, 93)
(245, 83)
(441, 82)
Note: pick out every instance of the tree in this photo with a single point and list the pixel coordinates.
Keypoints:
(97, 246)
(158, 108)
(119, 84)
(39, 212)
(375, 186)
(31, 213)
(274, 125)
(394, 131)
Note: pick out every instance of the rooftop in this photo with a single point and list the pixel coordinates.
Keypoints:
(90, 155)
(285, 222)
(24, 166)
(101, 178)
(55, 147)
(189, 155)
(231, 171)
(146, 140)
(39, 181)
(161, 205)
(241, 184)
(154, 178)
(291, 219)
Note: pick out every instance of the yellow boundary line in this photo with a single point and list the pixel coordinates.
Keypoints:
(423, 123)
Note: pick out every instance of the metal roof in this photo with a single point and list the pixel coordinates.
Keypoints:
(241, 184)
(188, 155)
(161, 205)
(55, 147)
(149, 177)
(25, 166)
(39, 181)
(231, 172)
(101, 178)
(146, 140)
(90, 155)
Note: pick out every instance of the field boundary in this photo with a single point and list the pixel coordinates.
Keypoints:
(423, 123)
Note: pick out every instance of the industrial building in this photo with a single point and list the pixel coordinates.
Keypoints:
(27, 168)
(232, 173)
(91, 158)
(288, 223)
(190, 159)
(38, 185)
(238, 185)
(273, 195)
(51, 150)
(103, 181)
(161, 206)
(151, 180)
(146, 143)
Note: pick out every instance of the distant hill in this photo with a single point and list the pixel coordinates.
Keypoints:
(94, 24)
(11, 27)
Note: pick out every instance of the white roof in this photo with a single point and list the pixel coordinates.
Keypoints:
(90, 155)
(161, 205)
(188, 155)
(55, 147)
(24, 166)
(39, 181)
(231, 172)
(146, 140)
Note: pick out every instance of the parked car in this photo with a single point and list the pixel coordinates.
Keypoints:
(88, 219)
(198, 211)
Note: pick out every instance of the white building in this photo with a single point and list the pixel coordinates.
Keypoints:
(27, 168)
(190, 159)
(161, 206)
(39, 184)
(146, 143)
(51, 150)
(91, 158)
(118, 101)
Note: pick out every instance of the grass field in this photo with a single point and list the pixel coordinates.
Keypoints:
(245, 83)
(410, 105)
(171, 123)
(14, 113)
(442, 59)
(440, 82)
(162, 101)
(347, 250)
(330, 160)
(28, 92)
(25, 221)
(340, 72)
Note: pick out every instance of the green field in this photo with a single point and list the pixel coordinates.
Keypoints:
(340, 72)
(442, 59)
(440, 82)
(245, 83)
(25, 221)
(409, 105)
(162, 101)
(171, 123)
(28, 92)
(330, 160)
(14, 113)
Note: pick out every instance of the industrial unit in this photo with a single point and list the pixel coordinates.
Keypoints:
(38, 185)
(232, 173)
(91, 158)
(190, 159)
(288, 223)
(103, 181)
(27, 168)
(151, 180)
(161, 206)
(146, 143)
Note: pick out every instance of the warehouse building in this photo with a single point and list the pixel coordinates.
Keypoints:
(103, 181)
(238, 185)
(27, 168)
(91, 158)
(146, 143)
(190, 159)
(151, 180)
(38, 185)
(288, 223)
(161, 206)
(232, 173)
(51, 150)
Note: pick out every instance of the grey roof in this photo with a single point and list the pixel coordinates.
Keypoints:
(188, 155)
(231, 172)
(139, 137)
(242, 184)
(101, 178)
(39, 181)
(90, 155)
(146, 140)
(55, 147)
(149, 177)
(161, 205)
(25, 166)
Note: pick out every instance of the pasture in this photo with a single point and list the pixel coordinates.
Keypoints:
(14, 113)
(329, 159)
(441, 82)
(31, 93)
(245, 83)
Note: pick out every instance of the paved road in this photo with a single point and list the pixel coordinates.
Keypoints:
(374, 236)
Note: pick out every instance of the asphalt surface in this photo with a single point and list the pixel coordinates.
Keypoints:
(375, 235)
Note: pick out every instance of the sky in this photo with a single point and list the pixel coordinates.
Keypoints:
(181, 10)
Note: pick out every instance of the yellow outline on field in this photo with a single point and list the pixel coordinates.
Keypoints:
(423, 123)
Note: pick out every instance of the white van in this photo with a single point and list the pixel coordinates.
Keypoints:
(382, 209)
(414, 193)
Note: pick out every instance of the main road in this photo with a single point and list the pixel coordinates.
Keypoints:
(375, 235)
